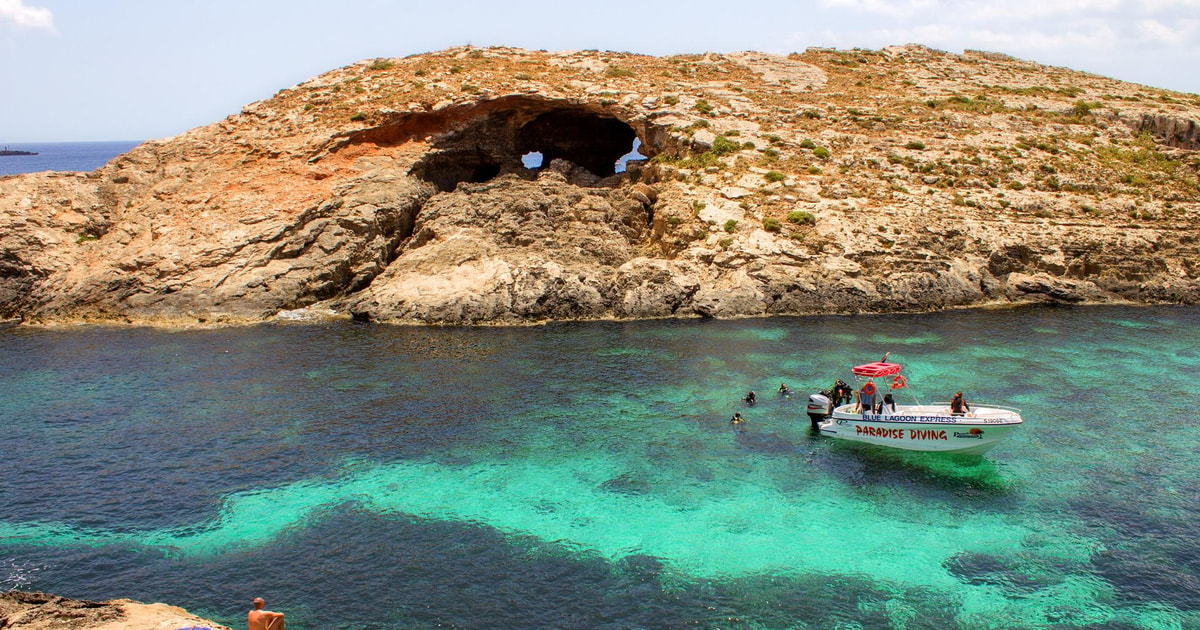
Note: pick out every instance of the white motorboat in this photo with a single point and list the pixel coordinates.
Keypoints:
(931, 427)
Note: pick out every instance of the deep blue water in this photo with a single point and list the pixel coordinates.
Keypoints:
(585, 475)
(61, 156)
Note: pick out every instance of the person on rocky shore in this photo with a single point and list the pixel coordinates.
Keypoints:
(259, 619)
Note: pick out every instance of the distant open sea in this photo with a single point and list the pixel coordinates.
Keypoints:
(62, 156)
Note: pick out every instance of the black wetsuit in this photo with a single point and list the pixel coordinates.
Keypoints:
(841, 394)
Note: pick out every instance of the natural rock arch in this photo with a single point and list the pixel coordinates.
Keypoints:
(578, 136)
(478, 142)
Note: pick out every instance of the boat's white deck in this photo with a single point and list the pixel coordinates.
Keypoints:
(936, 412)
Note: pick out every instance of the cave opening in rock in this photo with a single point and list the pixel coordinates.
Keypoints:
(533, 160)
(476, 145)
(578, 136)
(634, 155)
(447, 169)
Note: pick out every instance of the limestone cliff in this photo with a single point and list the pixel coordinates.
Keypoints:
(829, 181)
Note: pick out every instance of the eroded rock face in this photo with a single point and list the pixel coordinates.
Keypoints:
(510, 250)
(398, 190)
(1171, 131)
(207, 263)
(42, 611)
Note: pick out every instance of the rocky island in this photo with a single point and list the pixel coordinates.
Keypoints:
(497, 185)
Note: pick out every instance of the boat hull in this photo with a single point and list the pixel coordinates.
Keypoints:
(924, 428)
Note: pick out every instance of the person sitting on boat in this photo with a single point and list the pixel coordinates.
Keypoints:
(959, 406)
(888, 408)
(784, 390)
(750, 398)
(737, 418)
(866, 398)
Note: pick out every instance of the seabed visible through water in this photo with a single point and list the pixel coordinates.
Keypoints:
(586, 475)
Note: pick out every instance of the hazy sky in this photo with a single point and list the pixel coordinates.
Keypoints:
(139, 69)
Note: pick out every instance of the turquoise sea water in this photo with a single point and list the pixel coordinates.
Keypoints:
(587, 476)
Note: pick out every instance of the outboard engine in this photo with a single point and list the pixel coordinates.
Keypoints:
(818, 408)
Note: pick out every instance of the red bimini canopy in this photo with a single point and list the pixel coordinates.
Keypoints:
(877, 369)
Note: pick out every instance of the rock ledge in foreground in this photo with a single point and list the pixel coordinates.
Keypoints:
(42, 611)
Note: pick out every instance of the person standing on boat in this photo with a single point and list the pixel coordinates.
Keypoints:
(959, 406)
(866, 398)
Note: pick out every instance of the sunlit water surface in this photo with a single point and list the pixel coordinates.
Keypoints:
(587, 475)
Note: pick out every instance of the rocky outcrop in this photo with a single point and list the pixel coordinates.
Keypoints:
(40, 611)
(481, 186)
(1172, 131)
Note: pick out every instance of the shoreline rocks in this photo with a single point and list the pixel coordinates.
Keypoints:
(41, 611)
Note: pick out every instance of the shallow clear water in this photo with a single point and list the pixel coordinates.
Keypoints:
(586, 475)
